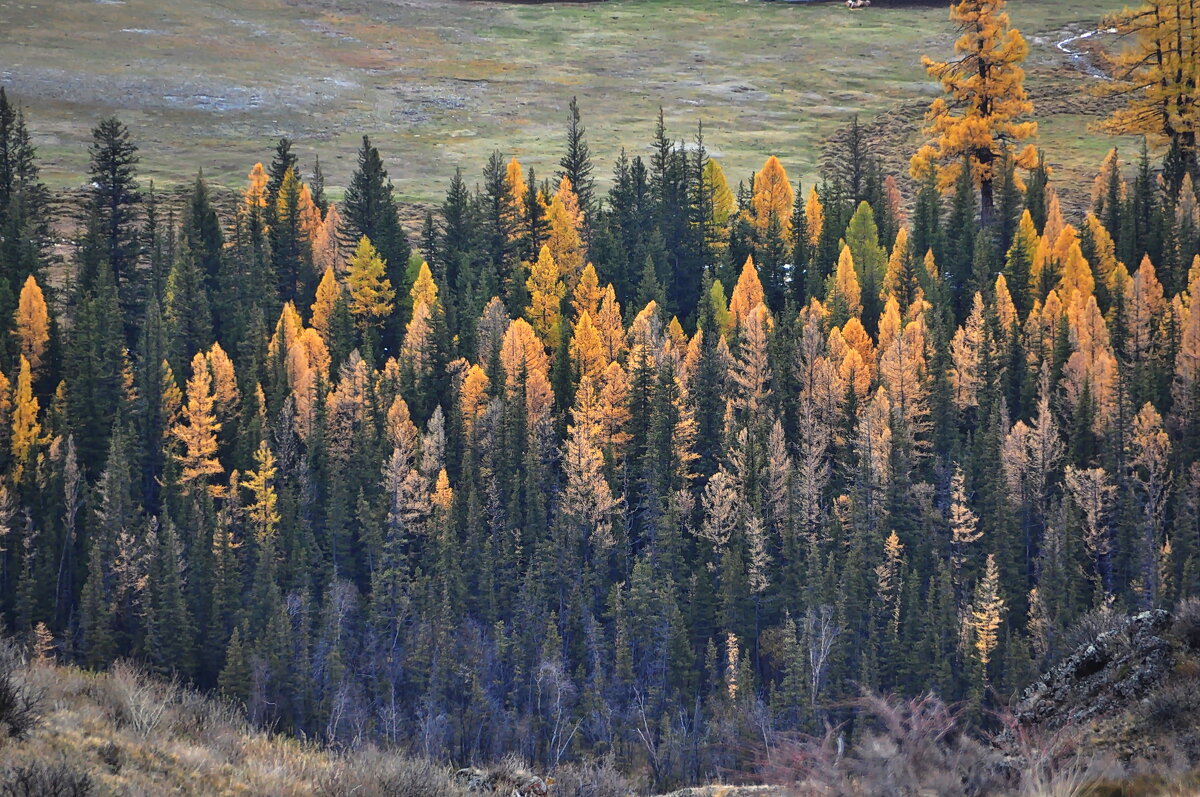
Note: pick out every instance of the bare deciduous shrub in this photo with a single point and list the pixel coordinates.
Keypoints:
(593, 779)
(20, 703)
(137, 702)
(197, 714)
(372, 773)
(1175, 706)
(910, 747)
(44, 779)
(1091, 625)
(1187, 623)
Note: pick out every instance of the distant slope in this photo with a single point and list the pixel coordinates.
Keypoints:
(442, 83)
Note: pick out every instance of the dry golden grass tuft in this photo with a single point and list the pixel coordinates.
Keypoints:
(123, 732)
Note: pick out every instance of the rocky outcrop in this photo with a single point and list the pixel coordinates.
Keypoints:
(1103, 678)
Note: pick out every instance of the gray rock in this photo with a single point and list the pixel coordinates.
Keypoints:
(1104, 677)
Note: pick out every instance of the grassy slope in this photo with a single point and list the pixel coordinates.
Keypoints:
(133, 735)
(441, 83)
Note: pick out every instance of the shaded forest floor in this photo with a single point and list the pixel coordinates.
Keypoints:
(442, 83)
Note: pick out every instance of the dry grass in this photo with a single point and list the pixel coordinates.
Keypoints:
(125, 733)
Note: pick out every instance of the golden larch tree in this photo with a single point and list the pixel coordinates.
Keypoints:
(747, 294)
(587, 294)
(472, 396)
(966, 353)
(546, 292)
(310, 215)
(609, 324)
(424, 287)
(416, 351)
(588, 498)
(329, 290)
(371, 293)
(751, 371)
(773, 197)
(614, 411)
(565, 240)
(987, 612)
(814, 217)
(255, 195)
(1159, 74)
(198, 427)
(979, 118)
(720, 196)
(513, 202)
(33, 323)
(523, 358)
(226, 394)
(889, 578)
(964, 523)
(847, 293)
(587, 354)
(26, 429)
(327, 243)
(263, 510)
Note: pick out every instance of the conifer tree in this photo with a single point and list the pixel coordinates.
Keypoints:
(114, 201)
(576, 162)
(24, 199)
(368, 210)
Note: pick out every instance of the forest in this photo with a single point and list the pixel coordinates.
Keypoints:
(657, 468)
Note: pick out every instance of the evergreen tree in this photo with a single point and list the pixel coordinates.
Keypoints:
(114, 201)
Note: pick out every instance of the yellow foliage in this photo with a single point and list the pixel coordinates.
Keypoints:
(523, 357)
(985, 98)
(264, 509)
(255, 195)
(1159, 73)
(987, 612)
(587, 351)
(587, 294)
(565, 221)
(814, 217)
(26, 430)
(472, 396)
(846, 283)
(773, 196)
(895, 266)
(371, 292)
(197, 430)
(610, 326)
(328, 292)
(225, 386)
(747, 295)
(327, 243)
(719, 193)
(546, 292)
(33, 323)
(310, 215)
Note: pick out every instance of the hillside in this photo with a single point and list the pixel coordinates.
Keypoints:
(636, 468)
(74, 733)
